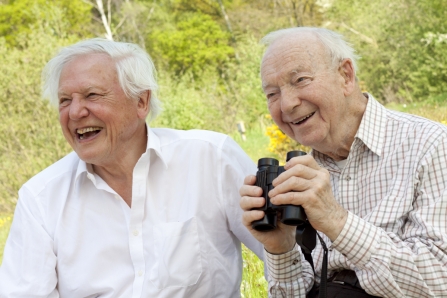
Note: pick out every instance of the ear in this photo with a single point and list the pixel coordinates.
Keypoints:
(346, 70)
(144, 101)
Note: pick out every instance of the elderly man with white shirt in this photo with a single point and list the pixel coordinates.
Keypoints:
(133, 211)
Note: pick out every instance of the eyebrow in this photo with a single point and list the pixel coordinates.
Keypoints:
(59, 92)
(291, 73)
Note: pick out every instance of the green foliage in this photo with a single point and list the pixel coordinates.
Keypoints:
(30, 137)
(196, 42)
(403, 45)
(256, 143)
(254, 284)
(65, 17)
(216, 100)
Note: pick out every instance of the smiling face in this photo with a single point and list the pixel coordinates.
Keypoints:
(99, 122)
(308, 97)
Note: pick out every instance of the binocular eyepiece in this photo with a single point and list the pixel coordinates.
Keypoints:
(268, 170)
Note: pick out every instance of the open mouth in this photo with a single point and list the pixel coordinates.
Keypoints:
(88, 132)
(302, 120)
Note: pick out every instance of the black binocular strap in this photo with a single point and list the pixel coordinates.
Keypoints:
(308, 257)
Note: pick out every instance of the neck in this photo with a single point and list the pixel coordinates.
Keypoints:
(119, 173)
(340, 147)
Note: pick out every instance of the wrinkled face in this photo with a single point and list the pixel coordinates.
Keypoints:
(304, 91)
(97, 119)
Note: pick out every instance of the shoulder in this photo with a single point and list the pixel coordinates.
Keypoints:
(170, 137)
(421, 127)
(58, 174)
(201, 146)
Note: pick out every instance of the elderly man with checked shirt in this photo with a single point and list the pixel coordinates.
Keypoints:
(374, 185)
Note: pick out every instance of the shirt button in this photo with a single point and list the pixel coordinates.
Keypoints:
(117, 197)
(135, 232)
(348, 178)
(140, 273)
(295, 262)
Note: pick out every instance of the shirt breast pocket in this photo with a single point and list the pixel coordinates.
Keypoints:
(176, 255)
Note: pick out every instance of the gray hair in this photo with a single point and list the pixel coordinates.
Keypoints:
(334, 43)
(134, 67)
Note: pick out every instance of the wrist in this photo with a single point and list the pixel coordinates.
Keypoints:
(337, 223)
(276, 250)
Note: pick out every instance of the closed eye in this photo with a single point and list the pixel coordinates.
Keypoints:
(302, 79)
(63, 101)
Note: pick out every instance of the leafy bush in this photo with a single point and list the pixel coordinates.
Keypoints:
(218, 99)
(19, 17)
(402, 44)
(30, 137)
(196, 42)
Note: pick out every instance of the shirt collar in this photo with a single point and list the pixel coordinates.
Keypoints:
(371, 132)
(153, 142)
(373, 125)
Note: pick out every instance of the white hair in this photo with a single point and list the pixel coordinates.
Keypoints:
(134, 67)
(334, 43)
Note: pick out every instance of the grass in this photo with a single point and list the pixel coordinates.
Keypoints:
(436, 111)
(256, 143)
(253, 283)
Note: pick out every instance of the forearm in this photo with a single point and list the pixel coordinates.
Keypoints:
(29, 263)
(388, 266)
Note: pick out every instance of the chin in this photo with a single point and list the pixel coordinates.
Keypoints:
(87, 157)
(306, 142)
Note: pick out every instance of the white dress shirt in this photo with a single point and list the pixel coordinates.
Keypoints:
(74, 236)
(394, 185)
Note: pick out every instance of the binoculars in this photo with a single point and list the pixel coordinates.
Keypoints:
(268, 170)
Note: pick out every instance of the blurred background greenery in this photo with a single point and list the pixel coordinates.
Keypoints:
(207, 55)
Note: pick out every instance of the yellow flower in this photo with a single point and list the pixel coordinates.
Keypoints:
(280, 143)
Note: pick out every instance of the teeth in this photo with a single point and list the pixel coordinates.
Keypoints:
(84, 130)
(304, 118)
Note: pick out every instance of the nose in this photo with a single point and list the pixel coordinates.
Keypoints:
(290, 100)
(78, 108)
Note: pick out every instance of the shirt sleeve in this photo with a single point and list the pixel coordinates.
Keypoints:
(235, 166)
(411, 262)
(288, 275)
(29, 262)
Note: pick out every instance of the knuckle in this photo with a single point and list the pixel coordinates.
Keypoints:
(295, 180)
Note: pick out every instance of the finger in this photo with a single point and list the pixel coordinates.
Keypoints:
(250, 180)
(250, 216)
(250, 191)
(292, 184)
(248, 203)
(293, 198)
(306, 160)
(298, 170)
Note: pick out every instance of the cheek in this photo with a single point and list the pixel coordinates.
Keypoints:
(63, 119)
(274, 107)
(275, 112)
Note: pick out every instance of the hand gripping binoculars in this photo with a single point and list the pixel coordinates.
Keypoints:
(268, 170)
(292, 215)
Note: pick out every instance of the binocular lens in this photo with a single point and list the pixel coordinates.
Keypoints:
(268, 223)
